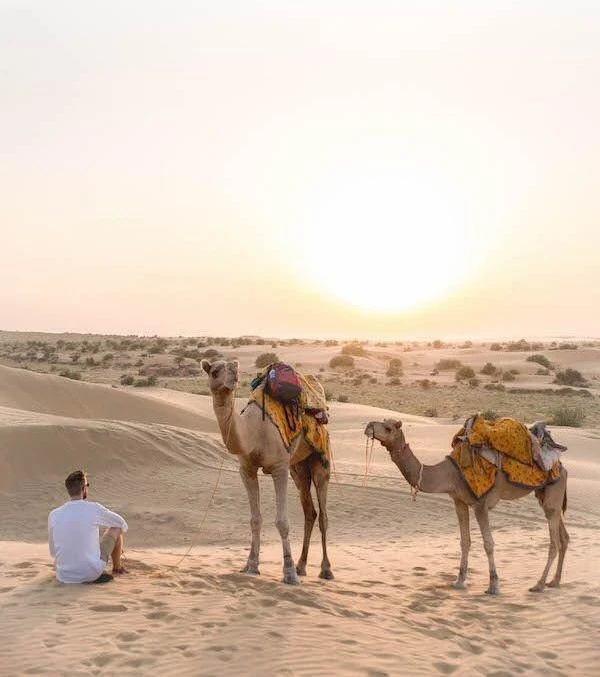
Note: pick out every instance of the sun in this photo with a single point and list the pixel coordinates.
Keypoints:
(385, 243)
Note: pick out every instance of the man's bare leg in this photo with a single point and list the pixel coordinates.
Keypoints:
(117, 552)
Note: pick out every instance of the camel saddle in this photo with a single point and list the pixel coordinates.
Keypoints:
(309, 418)
(529, 458)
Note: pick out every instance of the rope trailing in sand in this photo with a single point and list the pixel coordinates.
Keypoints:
(210, 500)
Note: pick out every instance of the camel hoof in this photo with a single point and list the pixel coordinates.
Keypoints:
(493, 590)
(290, 577)
(459, 585)
(250, 569)
(553, 584)
(537, 588)
(301, 570)
(326, 574)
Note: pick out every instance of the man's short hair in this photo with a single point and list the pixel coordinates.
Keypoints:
(75, 482)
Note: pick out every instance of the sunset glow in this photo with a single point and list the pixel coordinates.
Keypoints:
(395, 241)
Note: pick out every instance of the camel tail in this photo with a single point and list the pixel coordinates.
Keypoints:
(564, 505)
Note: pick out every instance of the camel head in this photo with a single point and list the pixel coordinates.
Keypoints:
(389, 432)
(222, 375)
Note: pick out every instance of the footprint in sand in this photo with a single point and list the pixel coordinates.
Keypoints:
(128, 636)
(445, 668)
(23, 565)
(7, 589)
(107, 608)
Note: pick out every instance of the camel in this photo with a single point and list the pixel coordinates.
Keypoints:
(445, 478)
(257, 444)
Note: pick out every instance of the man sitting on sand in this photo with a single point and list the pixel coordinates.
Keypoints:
(74, 536)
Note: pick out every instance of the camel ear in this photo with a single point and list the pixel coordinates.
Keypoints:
(398, 425)
(205, 364)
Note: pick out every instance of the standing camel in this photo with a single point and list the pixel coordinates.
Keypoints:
(445, 478)
(257, 444)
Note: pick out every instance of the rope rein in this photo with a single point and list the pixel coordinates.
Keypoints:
(175, 566)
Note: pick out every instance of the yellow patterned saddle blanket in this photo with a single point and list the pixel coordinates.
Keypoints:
(482, 447)
(315, 434)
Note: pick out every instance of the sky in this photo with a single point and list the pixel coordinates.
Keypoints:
(379, 169)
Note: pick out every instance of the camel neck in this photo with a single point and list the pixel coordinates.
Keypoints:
(229, 422)
(432, 477)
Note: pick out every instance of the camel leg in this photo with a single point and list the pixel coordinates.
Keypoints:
(280, 480)
(462, 512)
(483, 519)
(554, 520)
(564, 543)
(250, 481)
(321, 479)
(301, 474)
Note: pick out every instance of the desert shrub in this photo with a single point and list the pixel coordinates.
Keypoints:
(328, 395)
(568, 416)
(540, 359)
(488, 369)
(75, 358)
(344, 361)
(463, 373)
(139, 363)
(127, 380)
(342, 398)
(210, 353)
(570, 377)
(569, 391)
(448, 364)
(145, 382)
(474, 382)
(91, 362)
(108, 357)
(158, 346)
(515, 346)
(394, 381)
(514, 371)
(265, 359)
(489, 414)
(567, 346)
(508, 376)
(495, 347)
(425, 383)
(394, 367)
(71, 373)
(542, 372)
(354, 349)
(432, 412)
(494, 386)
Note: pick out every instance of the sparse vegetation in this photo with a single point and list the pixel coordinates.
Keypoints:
(354, 349)
(70, 373)
(488, 369)
(343, 361)
(570, 377)
(265, 359)
(447, 364)
(540, 359)
(568, 416)
(464, 373)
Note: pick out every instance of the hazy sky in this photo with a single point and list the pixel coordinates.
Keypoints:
(300, 169)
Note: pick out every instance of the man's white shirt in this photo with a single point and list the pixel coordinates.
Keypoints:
(74, 539)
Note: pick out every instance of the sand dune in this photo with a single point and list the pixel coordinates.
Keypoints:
(185, 610)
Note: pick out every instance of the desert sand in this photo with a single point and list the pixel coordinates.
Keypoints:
(184, 608)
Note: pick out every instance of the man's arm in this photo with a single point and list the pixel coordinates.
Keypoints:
(108, 518)
(51, 540)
